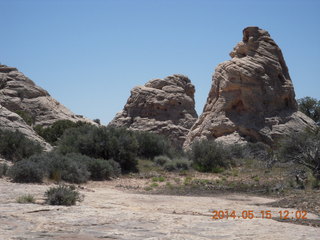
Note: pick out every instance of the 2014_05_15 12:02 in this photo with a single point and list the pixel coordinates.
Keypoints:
(250, 214)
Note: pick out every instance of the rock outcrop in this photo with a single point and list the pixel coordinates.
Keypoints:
(20, 95)
(165, 106)
(12, 121)
(23, 105)
(252, 97)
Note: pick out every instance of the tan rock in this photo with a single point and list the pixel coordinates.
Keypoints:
(19, 93)
(164, 106)
(252, 97)
(12, 121)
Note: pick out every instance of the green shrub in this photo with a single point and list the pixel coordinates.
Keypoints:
(3, 169)
(302, 148)
(26, 171)
(102, 142)
(28, 198)
(62, 195)
(26, 116)
(52, 133)
(209, 155)
(101, 169)
(311, 107)
(70, 167)
(152, 145)
(15, 146)
(178, 164)
(161, 160)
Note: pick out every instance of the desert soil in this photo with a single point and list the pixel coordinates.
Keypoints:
(108, 212)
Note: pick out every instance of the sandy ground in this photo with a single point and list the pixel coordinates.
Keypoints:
(111, 213)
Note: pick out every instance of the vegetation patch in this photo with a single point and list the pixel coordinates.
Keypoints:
(27, 198)
(15, 146)
(26, 172)
(3, 169)
(53, 133)
(62, 195)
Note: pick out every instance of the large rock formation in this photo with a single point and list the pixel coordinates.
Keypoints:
(20, 95)
(164, 106)
(252, 96)
(23, 104)
(12, 121)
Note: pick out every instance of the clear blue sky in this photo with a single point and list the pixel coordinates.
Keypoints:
(89, 54)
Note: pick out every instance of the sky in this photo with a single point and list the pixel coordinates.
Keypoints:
(89, 54)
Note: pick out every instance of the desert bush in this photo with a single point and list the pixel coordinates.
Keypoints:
(177, 164)
(26, 171)
(26, 116)
(311, 107)
(152, 145)
(52, 133)
(162, 160)
(303, 148)
(71, 167)
(102, 142)
(15, 146)
(209, 155)
(27, 198)
(101, 169)
(3, 169)
(62, 195)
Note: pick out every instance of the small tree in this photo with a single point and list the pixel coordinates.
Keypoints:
(304, 149)
(311, 107)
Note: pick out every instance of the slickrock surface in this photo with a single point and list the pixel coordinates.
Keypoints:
(164, 106)
(108, 213)
(20, 94)
(252, 97)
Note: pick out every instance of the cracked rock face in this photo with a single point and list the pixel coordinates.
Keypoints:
(164, 106)
(252, 97)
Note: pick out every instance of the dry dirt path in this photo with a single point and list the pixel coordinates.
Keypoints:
(110, 213)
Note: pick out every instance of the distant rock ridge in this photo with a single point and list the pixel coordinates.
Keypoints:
(165, 106)
(19, 96)
(252, 97)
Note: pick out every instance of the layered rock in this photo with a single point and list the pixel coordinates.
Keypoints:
(164, 106)
(252, 97)
(23, 105)
(12, 121)
(19, 94)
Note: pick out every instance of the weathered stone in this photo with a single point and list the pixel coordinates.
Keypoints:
(164, 106)
(12, 121)
(19, 94)
(252, 97)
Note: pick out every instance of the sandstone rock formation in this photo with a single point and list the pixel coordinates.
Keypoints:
(19, 94)
(164, 106)
(252, 97)
(12, 121)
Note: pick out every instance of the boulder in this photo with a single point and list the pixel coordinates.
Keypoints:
(252, 97)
